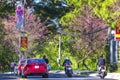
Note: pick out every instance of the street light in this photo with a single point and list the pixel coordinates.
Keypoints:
(60, 41)
(59, 31)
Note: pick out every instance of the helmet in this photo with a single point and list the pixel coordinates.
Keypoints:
(67, 58)
(101, 55)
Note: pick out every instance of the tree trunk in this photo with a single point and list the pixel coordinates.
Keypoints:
(86, 66)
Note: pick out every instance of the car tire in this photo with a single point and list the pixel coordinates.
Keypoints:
(24, 76)
(45, 76)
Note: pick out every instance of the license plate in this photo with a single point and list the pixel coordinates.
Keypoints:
(69, 68)
(36, 66)
(103, 70)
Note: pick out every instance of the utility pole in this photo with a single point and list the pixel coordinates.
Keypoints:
(60, 41)
(23, 53)
(20, 26)
(59, 49)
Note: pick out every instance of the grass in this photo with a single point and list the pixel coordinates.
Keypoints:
(118, 70)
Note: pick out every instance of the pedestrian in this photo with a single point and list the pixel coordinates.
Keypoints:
(47, 62)
(12, 65)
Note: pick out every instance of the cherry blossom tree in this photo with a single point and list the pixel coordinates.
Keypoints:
(35, 29)
(93, 32)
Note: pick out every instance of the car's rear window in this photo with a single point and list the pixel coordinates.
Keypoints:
(35, 61)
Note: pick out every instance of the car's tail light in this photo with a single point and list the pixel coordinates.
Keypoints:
(25, 67)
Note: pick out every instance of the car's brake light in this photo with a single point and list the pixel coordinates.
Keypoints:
(43, 64)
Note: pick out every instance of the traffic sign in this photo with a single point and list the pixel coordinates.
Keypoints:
(117, 32)
(23, 41)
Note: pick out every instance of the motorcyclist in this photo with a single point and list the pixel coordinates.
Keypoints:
(67, 61)
(101, 62)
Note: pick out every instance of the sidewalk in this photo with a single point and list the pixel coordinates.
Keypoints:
(109, 75)
(115, 76)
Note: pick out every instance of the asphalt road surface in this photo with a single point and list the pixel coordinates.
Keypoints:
(52, 76)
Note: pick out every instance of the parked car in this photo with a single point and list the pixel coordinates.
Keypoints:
(18, 67)
(35, 66)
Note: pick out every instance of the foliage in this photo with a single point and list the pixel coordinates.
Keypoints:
(113, 67)
(118, 70)
(50, 49)
(107, 55)
(91, 30)
(6, 8)
(75, 7)
(105, 13)
(5, 50)
(83, 38)
(33, 26)
(108, 10)
(49, 8)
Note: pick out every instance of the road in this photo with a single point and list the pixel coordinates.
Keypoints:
(52, 76)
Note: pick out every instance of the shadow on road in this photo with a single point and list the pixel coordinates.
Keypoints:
(7, 76)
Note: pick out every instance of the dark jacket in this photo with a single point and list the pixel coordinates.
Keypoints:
(67, 61)
(46, 60)
(101, 61)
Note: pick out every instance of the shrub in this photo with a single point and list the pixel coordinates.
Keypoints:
(113, 67)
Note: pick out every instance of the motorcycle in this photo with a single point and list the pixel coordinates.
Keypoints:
(102, 72)
(68, 70)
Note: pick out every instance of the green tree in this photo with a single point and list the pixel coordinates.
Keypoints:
(105, 10)
(108, 10)
(6, 51)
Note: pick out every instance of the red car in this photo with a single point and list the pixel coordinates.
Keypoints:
(20, 66)
(35, 66)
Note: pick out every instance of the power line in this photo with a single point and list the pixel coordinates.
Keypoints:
(85, 34)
